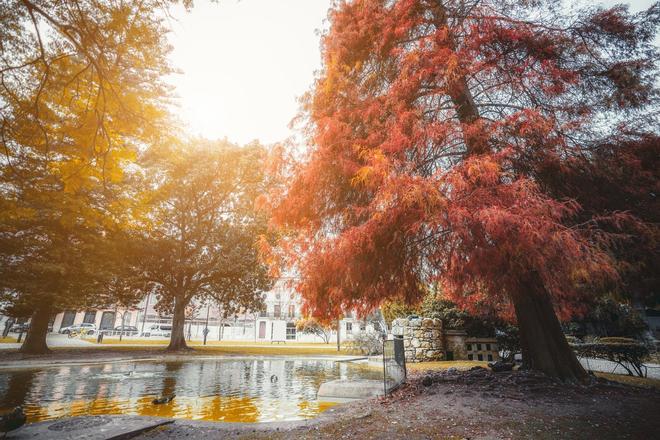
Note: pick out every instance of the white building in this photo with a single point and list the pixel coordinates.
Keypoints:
(275, 322)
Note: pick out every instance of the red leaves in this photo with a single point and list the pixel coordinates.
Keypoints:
(432, 128)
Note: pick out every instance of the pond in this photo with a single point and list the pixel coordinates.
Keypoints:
(226, 389)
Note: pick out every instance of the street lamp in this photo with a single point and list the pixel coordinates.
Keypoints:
(206, 328)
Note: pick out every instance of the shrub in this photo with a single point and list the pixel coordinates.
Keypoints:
(623, 351)
(572, 339)
(365, 343)
(508, 341)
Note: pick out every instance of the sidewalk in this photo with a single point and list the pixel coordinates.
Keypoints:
(653, 370)
(54, 340)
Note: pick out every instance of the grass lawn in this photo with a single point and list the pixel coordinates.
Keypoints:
(443, 365)
(644, 382)
(227, 347)
(7, 340)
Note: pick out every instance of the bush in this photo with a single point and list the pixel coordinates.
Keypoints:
(508, 341)
(365, 343)
(572, 339)
(623, 351)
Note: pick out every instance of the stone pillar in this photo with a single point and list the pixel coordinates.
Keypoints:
(422, 338)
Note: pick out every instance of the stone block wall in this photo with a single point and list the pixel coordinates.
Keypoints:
(425, 340)
(422, 338)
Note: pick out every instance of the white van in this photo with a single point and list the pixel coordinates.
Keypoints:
(158, 330)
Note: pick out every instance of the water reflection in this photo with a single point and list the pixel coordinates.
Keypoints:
(231, 390)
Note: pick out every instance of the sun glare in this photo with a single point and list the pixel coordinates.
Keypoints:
(244, 64)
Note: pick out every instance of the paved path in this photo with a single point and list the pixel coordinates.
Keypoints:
(611, 367)
(89, 428)
(54, 340)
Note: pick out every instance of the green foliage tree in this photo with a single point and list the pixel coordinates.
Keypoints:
(81, 92)
(311, 326)
(199, 239)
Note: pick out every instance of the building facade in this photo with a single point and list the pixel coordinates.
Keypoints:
(275, 322)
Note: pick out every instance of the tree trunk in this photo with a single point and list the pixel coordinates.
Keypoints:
(35, 342)
(544, 346)
(177, 339)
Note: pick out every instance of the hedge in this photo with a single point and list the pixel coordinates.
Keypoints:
(623, 351)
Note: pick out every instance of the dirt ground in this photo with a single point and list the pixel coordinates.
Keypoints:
(476, 404)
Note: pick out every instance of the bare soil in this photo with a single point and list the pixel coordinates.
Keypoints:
(475, 404)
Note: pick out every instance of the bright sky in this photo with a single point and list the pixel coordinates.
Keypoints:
(246, 62)
(244, 65)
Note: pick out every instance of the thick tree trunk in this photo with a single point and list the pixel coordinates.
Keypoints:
(35, 342)
(544, 346)
(177, 339)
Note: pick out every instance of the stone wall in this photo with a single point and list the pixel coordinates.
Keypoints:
(422, 338)
(425, 340)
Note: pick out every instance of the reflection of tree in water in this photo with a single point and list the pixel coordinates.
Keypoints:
(315, 373)
(144, 405)
(18, 388)
(172, 370)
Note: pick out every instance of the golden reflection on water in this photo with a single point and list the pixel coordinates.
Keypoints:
(214, 408)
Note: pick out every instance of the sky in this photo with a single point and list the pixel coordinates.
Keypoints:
(245, 63)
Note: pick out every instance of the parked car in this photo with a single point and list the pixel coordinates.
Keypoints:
(20, 328)
(159, 330)
(85, 328)
(129, 330)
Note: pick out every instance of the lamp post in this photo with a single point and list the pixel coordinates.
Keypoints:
(146, 309)
(206, 328)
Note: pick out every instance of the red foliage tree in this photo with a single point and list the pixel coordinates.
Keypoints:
(431, 122)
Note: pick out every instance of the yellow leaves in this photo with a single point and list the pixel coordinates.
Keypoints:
(375, 170)
(362, 175)
(452, 65)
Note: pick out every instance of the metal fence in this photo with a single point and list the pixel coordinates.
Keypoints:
(394, 364)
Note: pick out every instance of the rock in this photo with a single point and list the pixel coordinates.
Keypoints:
(427, 322)
(500, 366)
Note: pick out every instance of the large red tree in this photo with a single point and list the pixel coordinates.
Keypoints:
(430, 124)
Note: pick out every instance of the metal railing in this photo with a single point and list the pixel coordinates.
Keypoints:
(394, 364)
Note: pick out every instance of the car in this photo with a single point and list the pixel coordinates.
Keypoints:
(159, 330)
(20, 328)
(86, 328)
(127, 330)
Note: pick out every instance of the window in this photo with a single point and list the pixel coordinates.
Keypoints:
(107, 321)
(469, 347)
(278, 296)
(479, 347)
(290, 331)
(480, 357)
(263, 312)
(90, 317)
(363, 326)
(349, 326)
(490, 357)
(488, 347)
(292, 311)
(68, 318)
(470, 356)
(278, 310)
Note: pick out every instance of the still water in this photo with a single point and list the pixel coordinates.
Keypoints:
(230, 390)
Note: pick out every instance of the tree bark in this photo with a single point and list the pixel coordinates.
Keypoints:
(544, 346)
(177, 339)
(35, 342)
